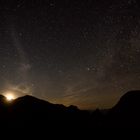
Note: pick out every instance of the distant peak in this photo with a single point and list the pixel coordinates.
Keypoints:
(129, 100)
(2, 97)
(27, 97)
(132, 95)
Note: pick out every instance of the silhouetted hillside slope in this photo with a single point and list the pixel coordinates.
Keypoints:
(126, 113)
(130, 100)
(30, 112)
(34, 106)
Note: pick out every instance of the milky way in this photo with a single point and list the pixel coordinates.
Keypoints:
(85, 53)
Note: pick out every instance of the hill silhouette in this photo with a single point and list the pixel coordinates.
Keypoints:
(126, 113)
(31, 112)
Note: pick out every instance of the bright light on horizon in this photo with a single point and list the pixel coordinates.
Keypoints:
(10, 96)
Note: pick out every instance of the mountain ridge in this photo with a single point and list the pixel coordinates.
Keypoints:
(29, 111)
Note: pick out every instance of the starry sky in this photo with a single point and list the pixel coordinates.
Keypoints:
(80, 52)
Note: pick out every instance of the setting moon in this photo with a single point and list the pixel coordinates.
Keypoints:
(10, 96)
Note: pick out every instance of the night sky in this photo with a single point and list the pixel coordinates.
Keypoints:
(80, 52)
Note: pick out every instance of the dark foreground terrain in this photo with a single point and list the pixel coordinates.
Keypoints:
(32, 113)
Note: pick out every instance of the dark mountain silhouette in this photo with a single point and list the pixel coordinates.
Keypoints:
(126, 113)
(30, 112)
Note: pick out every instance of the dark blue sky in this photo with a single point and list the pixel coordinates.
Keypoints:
(81, 52)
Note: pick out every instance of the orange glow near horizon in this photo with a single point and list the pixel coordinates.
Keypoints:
(10, 96)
